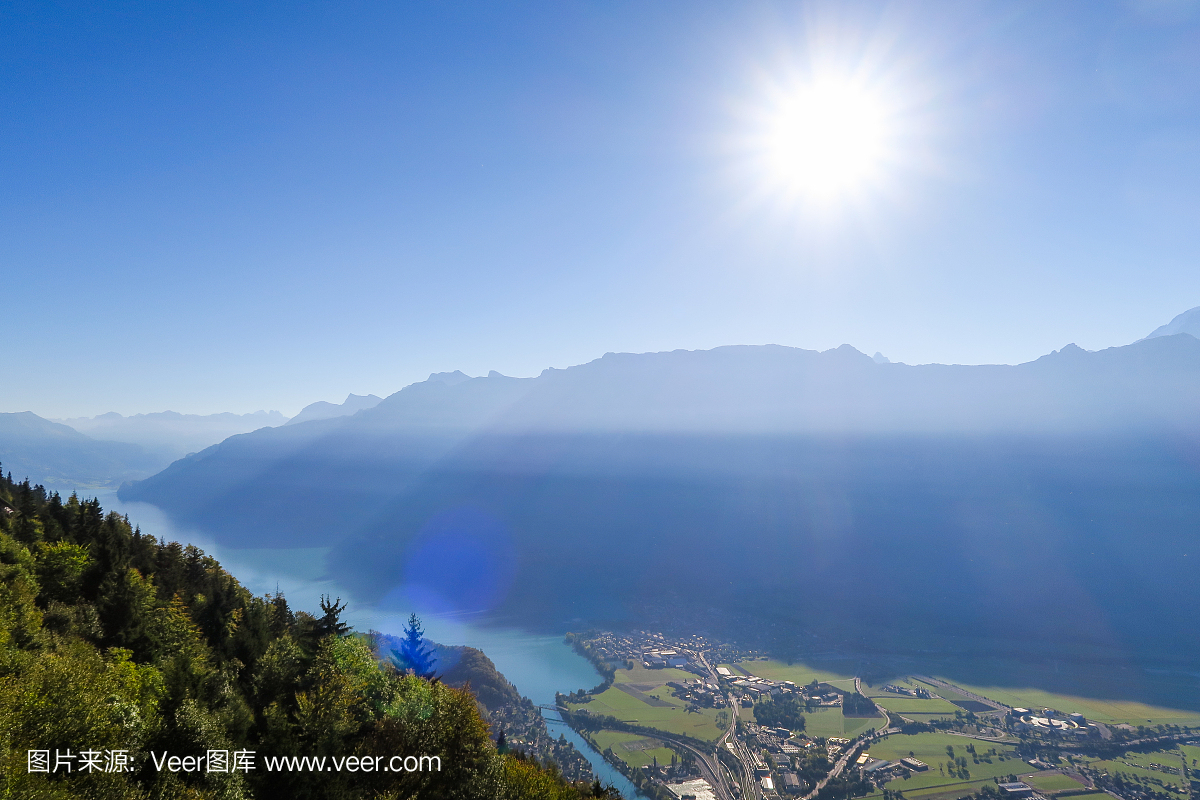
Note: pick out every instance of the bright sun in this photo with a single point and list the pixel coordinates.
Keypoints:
(823, 141)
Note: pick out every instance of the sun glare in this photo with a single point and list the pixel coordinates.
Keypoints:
(826, 140)
(820, 142)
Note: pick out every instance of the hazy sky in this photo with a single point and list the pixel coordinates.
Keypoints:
(209, 207)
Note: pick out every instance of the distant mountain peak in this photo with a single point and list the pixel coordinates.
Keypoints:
(448, 378)
(325, 410)
(1187, 322)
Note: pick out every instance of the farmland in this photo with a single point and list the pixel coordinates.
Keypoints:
(641, 697)
(1050, 782)
(633, 748)
(1147, 767)
(826, 722)
(1107, 711)
(917, 708)
(800, 674)
(931, 748)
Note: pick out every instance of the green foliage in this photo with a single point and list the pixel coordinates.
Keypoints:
(786, 711)
(856, 705)
(112, 641)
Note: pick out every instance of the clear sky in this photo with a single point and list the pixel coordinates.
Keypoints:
(209, 207)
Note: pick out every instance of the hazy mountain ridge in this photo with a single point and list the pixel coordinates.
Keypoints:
(772, 389)
(799, 488)
(1187, 322)
(171, 434)
(61, 457)
(323, 410)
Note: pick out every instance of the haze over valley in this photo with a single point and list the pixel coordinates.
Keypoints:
(579, 401)
(811, 500)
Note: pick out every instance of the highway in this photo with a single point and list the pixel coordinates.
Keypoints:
(750, 786)
(851, 751)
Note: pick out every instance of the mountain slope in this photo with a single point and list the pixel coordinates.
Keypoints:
(114, 641)
(323, 410)
(61, 457)
(169, 434)
(774, 491)
(1187, 322)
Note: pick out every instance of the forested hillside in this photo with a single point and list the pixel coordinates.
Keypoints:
(118, 652)
(500, 704)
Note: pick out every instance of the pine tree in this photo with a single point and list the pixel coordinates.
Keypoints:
(414, 654)
(331, 622)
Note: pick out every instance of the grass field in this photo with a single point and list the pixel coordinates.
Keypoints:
(1053, 782)
(799, 674)
(634, 749)
(828, 722)
(931, 748)
(641, 696)
(1192, 754)
(1108, 711)
(915, 707)
(1142, 766)
(1113, 767)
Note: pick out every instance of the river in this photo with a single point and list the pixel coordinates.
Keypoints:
(539, 666)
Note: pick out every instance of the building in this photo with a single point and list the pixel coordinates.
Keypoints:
(699, 789)
(791, 782)
(767, 784)
(723, 672)
(916, 765)
(1015, 790)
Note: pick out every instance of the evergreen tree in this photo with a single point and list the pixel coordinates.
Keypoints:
(414, 654)
(330, 624)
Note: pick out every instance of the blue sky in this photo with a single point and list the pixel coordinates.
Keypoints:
(210, 207)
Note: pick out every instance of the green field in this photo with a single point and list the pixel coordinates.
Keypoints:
(640, 696)
(1141, 766)
(1192, 754)
(1108, 711)
(632, 748)
(826, 722)
(1053, 782)
(1113, 767)
(931, 748)
(800, 674)
(915, 707)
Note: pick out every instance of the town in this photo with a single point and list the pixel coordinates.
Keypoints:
(688, 717)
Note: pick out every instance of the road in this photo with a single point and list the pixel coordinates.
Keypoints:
(710, 766)
(883, 712)
(851, 751)
(750, 786)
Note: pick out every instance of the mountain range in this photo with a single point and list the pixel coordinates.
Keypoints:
(1187, 322)
(170, 434)
(60, 457)
(323, 410)
(778, 492)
